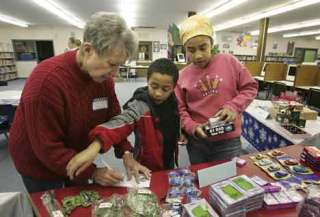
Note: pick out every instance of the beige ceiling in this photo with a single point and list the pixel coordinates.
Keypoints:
(158, 13)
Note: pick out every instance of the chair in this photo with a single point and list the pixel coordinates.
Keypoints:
(6, 118)
(132, 75)
(123, 72)
(255, 68)
(132, 71)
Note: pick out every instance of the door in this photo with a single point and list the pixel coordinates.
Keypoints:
(299, 54)
(310, 55)
(44, 50)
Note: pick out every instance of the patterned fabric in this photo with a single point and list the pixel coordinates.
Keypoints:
(55, 114)
(201, 93)
(260, 136)
(195, 26)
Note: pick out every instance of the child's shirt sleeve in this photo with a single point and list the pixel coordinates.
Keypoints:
(247, 88)
(116, 130)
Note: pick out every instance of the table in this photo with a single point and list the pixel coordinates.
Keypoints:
(129, 67)
(308, 87)
(15, 204)
(286, 82)
(259, 78)
(11, 97)
(159, 185)
(268, 134)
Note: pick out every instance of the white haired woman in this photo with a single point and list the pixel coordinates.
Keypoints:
(66, 96)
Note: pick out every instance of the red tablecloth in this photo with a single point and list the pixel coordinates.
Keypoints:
(159, 185)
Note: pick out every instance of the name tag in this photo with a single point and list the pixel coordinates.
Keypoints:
(100, 103)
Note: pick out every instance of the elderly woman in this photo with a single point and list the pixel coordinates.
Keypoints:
(65, 97)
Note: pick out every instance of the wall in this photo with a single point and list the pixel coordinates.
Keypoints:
(59, 36)
(154, 35)
(230, 38)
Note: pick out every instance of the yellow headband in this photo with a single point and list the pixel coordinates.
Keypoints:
(195, 25)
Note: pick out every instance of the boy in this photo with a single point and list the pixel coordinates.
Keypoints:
(153, 116)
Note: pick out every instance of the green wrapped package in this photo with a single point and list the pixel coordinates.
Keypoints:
(85, 199)
(111, 207)
(143, 203)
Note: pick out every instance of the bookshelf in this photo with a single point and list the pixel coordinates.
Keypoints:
(8, 69)
(245, 58)
(271, 58)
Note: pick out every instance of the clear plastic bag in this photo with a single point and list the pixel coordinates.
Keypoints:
(310, 207)
(143, 203)
(109, 207)
(52, 206)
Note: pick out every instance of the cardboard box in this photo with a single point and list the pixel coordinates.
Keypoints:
(308, 114)
(305, 114)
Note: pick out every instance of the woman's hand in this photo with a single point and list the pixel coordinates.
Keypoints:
(83, 160)
(107, 176)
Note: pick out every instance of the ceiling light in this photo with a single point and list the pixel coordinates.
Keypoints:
(318, 37)
(129, 10)
(14, 21)
(58, 10)
(298, 25)
(269, 12)
(297, 34)
(222, 6)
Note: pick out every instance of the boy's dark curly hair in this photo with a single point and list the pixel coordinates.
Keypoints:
(164, 66)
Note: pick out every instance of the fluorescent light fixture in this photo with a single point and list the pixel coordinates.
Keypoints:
(298, 25)
(222, 6)
(14, 21)
(318, 37)
(129, 10)
(305, 33)
(269, 12)
(59, 11)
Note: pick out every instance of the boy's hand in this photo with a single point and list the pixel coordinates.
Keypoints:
(83, 159)
(199, 132)
(134, 168)
(226, 114)
(183, 140)
(107, 176)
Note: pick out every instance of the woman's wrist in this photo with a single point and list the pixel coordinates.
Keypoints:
(127, 155)
(95, 146)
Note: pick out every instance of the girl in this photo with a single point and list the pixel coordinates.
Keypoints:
(211, 86)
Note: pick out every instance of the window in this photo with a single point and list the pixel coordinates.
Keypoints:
(31, 50)
(25, 50)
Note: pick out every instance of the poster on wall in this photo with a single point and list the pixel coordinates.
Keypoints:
(275, 45)
(25, 50)
(245, 40)
(145, 51)
(156, 46)
(290, 48)
(163, 46)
